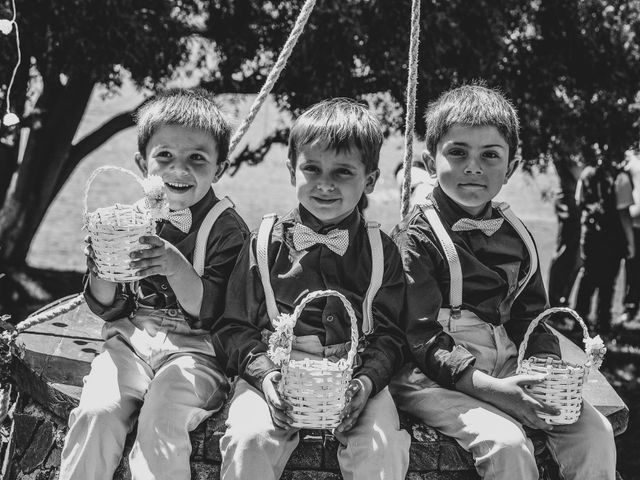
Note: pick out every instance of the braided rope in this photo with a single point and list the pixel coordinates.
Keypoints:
(66, 305)
(410, 118)
(277, 68)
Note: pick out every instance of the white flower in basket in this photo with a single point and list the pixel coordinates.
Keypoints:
(562, 385)
(115, 231)
(315, 389)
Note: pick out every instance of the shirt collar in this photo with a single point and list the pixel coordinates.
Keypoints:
(451, 212)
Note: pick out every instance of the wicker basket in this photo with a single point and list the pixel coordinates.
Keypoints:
(562, 386)
(315, 389)
(115, 232)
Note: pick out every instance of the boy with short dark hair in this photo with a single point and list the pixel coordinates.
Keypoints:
(322, 244)
(473, 287)
(158, 364)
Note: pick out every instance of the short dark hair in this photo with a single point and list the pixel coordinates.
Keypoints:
(191, 108)
(339, 124)
(472, 105)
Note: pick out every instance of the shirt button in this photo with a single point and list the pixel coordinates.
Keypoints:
(171, 312)
(330, 318)
(164, 286)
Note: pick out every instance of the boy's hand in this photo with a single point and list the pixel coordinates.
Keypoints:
(510, 396)
(357, 395)
(161, 258)
(277, 406)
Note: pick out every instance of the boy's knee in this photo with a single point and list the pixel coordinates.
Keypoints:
(99, 418)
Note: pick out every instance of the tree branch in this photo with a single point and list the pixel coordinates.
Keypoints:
(93, 140)
(256, 155)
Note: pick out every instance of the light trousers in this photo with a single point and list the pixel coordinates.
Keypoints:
(500, 448)
(254, 448)
(157, 370)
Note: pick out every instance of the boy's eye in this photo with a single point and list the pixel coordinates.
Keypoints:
(197, 157)
(456, 152)
(344, 171)
(163, 154)
(491, 154)
(309, 168)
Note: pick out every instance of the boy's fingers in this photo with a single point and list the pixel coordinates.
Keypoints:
(153, 240)
(530, 379)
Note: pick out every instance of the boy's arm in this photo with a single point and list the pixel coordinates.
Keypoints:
(433, 350)
(237, 333)
(384, 353)
(223, 247)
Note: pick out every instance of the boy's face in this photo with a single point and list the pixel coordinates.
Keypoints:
(472, 165)
(186, 159)
(329, 184)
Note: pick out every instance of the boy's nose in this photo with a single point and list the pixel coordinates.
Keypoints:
(473, 166)
(325, 187)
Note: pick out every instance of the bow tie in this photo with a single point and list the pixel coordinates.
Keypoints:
(181, 219)
(336, 240)
(488, 227)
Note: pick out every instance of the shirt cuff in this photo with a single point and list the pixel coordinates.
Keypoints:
(121, 307)
(454, 364)
(258, 368)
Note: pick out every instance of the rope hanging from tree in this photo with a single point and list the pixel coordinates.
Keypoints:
(277, 68)
(410, 119)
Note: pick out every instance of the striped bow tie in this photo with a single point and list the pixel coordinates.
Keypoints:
(488, 227)
(181, 219)
(336, 240)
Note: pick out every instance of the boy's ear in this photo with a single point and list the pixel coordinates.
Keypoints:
(220, 169)
(292, 172)
(430, 162)
(511, 168)
(370, 181)
(142, 163)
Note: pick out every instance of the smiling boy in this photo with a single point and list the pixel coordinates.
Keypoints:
(473, 287)
(324, 243)
(158, 356)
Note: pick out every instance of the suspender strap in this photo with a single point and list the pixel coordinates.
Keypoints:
(200, 248)
(377, 270)
(262, 252)
(455, 270)
(455, 289)
(520, 229)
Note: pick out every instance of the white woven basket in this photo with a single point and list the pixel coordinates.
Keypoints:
(314, 388)
(562, 387)
(115, 232)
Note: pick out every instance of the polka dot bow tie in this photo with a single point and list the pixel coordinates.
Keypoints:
(488, 227)
(336, 240)
(181, 219)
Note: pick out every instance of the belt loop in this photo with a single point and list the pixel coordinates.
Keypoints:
(454, 314)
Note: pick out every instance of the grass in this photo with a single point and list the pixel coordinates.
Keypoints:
(265, 188)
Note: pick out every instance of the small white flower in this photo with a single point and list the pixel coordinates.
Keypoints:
(155, 196)
(10, 119)
(595, 350)
(6, 26)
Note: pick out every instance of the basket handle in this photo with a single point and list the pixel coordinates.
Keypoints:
(97, 172)
(352, 315)
(546, 313)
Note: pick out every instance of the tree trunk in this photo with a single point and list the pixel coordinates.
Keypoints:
(46, 153)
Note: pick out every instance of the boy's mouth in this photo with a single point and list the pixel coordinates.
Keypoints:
(178, 187)
(325, 201)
